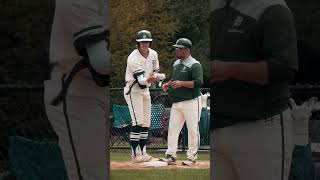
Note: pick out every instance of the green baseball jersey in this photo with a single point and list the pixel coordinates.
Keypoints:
(251, 31)
(186, 70)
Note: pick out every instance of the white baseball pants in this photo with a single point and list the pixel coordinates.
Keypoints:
(82, 136)
(188, 111)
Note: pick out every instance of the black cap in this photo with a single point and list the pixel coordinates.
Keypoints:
(183, 43)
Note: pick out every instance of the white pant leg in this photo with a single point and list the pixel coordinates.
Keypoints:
(135, 104)
(57, 120)
(146, 110)
(192, 115)
(87, 110)
(175, 125)
(89, 134)
(254, 150)
(222, 167)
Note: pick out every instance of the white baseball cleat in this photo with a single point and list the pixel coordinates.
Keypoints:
(146, 157)
(137, 159)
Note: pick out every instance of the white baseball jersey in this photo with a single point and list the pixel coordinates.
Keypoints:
(74, 19)
(139, 100)
(137, 63)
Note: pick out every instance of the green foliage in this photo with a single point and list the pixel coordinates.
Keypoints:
(306, 15)
(165, 20)
(25, 32)
(194, 24)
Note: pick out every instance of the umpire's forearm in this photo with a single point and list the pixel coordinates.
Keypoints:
(188, 84)
(256, 72)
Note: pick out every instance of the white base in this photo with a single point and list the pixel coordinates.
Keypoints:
(154, 164)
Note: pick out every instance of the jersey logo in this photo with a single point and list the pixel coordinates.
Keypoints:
(235, 26)
(184, 69)
(237, 22)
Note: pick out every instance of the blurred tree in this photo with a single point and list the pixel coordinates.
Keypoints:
(25, 31)
(193, 23)
(167, 20)
(129, 17)
(307, 14)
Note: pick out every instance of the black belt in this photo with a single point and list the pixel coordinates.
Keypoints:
(67, 81)
(131, 86)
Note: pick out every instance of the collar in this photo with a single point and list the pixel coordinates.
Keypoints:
(186, 61)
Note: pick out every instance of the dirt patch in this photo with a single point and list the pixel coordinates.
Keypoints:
(155, 164)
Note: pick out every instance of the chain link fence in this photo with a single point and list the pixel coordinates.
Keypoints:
(160, 113)
(22, 114)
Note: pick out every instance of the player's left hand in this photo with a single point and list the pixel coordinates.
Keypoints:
(176, 84)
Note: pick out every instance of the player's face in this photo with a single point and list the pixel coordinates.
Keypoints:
(144, 46)
(181, 53)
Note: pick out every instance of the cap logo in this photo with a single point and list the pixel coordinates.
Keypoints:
(144, 36)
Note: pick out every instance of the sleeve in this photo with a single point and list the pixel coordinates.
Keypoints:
(135, 67)
(90, 22)
(279, 44)
(197, 75)
(155, 62)
(157, 66)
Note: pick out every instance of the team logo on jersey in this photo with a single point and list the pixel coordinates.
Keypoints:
(237, 22)
(184, 69)
(236, 26)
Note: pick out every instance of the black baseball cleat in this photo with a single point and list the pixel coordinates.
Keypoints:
(170, 160)
(189, 162)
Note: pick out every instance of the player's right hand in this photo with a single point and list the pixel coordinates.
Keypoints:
(152, 78)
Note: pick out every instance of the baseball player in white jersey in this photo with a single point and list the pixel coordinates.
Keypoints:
(141, 72)
(76, 96)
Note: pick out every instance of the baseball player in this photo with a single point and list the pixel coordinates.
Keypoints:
(141, 72)
(301, 166)
(76, 96)
(184, 93)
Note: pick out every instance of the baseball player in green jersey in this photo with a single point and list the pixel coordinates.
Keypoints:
(76, 97)
(141, 72)
(184, 93)
(253, 52)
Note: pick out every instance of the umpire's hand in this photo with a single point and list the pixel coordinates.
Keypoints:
(165, 87)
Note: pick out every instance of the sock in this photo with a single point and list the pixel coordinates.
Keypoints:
(143, 139)
(134, 140)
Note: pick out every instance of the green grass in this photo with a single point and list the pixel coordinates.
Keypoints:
(125, 155)
(166, 174)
